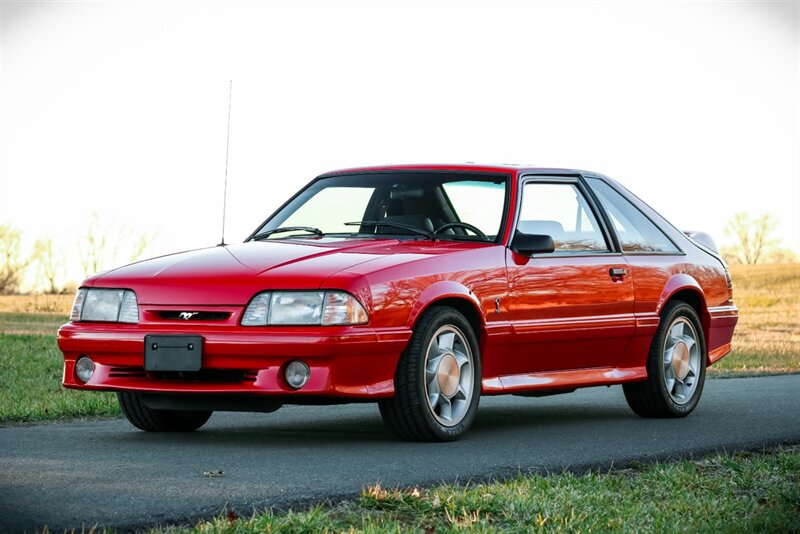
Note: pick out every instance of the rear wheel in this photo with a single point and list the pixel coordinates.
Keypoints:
(676, 366)
(437, 382)
(144, 418)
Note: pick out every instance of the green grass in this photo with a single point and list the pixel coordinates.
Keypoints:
(45, 324)
(30, 375)
(726, 493)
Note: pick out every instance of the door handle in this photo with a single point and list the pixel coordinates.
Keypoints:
(617, 272)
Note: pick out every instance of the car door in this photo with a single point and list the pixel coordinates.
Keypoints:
(653, 256)
(571, 308)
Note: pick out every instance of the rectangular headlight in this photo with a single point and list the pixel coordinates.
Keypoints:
(304, 308)
(296, 307)
(101, 305)
(111, 305)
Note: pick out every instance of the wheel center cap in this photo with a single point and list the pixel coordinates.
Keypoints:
(680, 360)
(448, 375)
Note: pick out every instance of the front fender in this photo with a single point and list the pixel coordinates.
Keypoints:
(444, 289)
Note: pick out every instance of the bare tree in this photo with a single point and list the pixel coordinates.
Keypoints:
(139, 247)
(105, 242)
(50, 263)
(13, 265)
(93, 245)
(752, 235)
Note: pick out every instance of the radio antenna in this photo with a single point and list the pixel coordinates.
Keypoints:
(227, 147)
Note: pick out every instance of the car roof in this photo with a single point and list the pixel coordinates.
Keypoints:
(506, 168)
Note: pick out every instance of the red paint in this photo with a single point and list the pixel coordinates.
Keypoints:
(562, 322)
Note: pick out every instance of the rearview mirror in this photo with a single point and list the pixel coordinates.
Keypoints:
(402, 194)
(527, 244)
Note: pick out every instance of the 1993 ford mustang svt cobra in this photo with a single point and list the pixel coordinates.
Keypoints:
(419, 287)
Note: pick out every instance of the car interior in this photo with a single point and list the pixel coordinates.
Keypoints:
(425, 207)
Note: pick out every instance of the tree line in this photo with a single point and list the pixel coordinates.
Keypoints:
(753, 241)
(105, 245)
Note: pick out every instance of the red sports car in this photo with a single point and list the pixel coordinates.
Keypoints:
(420, 287)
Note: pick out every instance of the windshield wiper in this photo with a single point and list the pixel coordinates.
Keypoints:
(414, 229)
(267, 233)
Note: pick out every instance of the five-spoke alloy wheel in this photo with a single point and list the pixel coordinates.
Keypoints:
(437, 383)
(448, 375)
(681, 361)
(676, 366)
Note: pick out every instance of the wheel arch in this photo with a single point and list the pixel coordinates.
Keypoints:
(456, 296)
(686, 289)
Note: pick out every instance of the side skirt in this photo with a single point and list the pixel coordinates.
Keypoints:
(561, 380)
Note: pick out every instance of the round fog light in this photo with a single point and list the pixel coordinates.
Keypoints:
(297, 374)
(84, 368)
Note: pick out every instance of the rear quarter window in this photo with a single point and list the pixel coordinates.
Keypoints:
(635, 231)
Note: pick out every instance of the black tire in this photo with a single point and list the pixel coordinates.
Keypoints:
(408, 414)
(650, 398)
(152, 420)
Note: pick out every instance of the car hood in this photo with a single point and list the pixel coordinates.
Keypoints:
(231, 275)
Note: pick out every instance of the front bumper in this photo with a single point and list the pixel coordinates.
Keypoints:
(345, 362)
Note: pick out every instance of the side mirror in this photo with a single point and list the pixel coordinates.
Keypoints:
(528, 244)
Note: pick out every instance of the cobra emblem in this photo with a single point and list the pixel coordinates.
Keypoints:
(188, 315)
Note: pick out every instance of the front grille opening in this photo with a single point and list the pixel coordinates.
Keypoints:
(126, 372)
(189, 315)
(203, 375)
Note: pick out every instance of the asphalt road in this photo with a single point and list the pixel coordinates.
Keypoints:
(74, 475)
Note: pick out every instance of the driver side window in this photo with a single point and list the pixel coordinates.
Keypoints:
(560, 211)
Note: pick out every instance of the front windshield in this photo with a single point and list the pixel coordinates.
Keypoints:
(439, 205)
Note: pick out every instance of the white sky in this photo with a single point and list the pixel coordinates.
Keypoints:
(121, 107)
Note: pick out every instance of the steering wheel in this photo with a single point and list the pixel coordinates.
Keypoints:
(467, 226)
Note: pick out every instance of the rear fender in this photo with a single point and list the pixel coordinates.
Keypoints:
(683, 285)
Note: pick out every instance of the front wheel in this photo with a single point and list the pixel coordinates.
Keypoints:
(676, 366)
(437, 382)
(151, 420)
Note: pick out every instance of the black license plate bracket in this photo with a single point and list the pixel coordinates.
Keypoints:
(173, 353)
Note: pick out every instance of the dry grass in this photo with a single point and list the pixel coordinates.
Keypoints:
(767, 338)
(35, 303)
